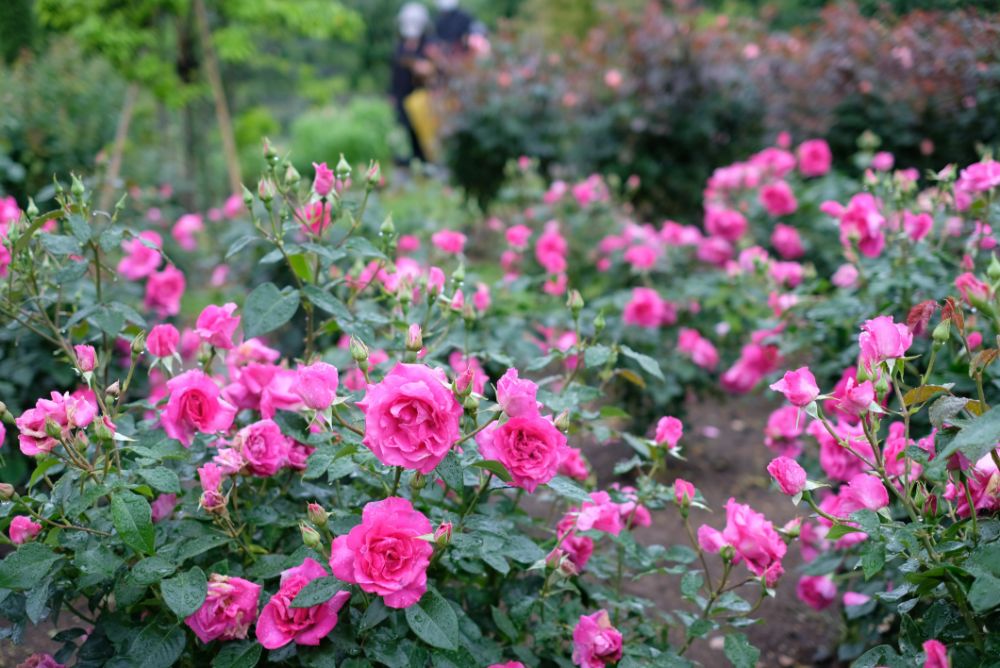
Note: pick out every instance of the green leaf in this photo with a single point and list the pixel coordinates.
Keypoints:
(976, 438)
(40, 470)
(840, 530)
(60, 244)
(186, 592)
(376, 613)
(244, 654)
(156, 647)
(132, 517)
(645, 362)
(568, 489)
(595, 356)
(450, 471)
(328, 303)
(497, 468)
(739, 651)
(318, 591)
(240, 244)
(79, 227)
(984, 594)
(161, 479)
(26, 567)
(266, 309)
(433, 620)
(504, 623)
(872, 558)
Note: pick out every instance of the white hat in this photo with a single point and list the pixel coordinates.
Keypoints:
(413, 19)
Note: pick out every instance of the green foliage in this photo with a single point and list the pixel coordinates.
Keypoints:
(361, 127)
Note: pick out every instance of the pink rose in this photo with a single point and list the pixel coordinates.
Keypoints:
(210, 479)
(551, 249)
(217, 324)
(798, 386)
(385, 554)
(852, 598)
(862, 222)
(195, 405)
(22, 529)
(596, 643)
(846, 276)
(323, 181)
(184, 230)
(698, 348)
(280, 623)
(917, 225)
(815, 157)
(725, 223)
(669, 431)
(710, 540)
(882, 339)
(576, 548)
(529, 447)
(140, 260)
(263, 447)
(314, 217)
(162, 340)
(647, 309)
(515, 396)
(883, 161)
(599, 514)
(641, 257)
(164, 290)
(66, 411)
(86, 357)
(684, 492)
(816, 591)
(857, 398)
(936, 654)
(317, 384)
(784, 427)
(163, 506)
(715, 251)
(972, 289)
(40, 660)
(230, 608)
(778, 199)
(411, 418)
(449, 241)
(518, 236)
(864, 490)
(573, 465)
(788, 474)
(754, 540)
(787, 242)
(979, 177)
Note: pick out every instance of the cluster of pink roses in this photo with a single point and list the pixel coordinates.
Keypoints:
(600, 513)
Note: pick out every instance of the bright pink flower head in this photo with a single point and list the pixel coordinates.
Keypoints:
(798, 386)
(515, 396)
(815, 157)
(979, 177)
(936, 654)
(449, 241)
(972, 289)
(280, 623)
(86, 357)
(140, 260)
(882, 339)
(323, 181)
(22, 529)
(517, 236)
(647, 309)
(40, 660)
(864, 490)
(164, 290)
(698, 348)
(551, 249)
(725, 223)
(263, 447)
(163, 506)
(852, 598)
(162, 340)
(67, 411)
(316, 384)
(862, 222)
(754, 539)
(791, 477)
(669, 431)
(710, 539)
(787, 242)
(846, 276)
(599, 514)
(530, 448)
(314, 217)
(184, 230)
(917, 225)
(883, 161)
(573, 465)
(385, 554)
(195, 405)
(217, 324)
(641, 257)
(229, 610)
(715, 251)
(411, 418)
(481, 297)
(684, 492)
(596, 643)
(816, 591)
(210, 479)
(784, 427)
(856, 398)
(778, 199)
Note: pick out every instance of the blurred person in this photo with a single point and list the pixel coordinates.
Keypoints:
(412, 70)
(453, 26)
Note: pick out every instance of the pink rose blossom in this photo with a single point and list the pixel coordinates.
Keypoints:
(217, 324)
(641, 257)
(481, 297)
(789, 475)
(573, 465)
(647, 309)
(725, 223)
(263, 447)
(972, 289)
(917, 225)
(668, 431)
(163, 506)
(710, 540)
(815, 157)
(754, 541)
(515, 396)
(864, 490)
(195, 405)
(778, 199)
(701, 351)
(799, 386)
(816, 591)
(314, 217)
(230, 608)
(323, 181)
(529, 447)
(316, 385)
(715, 251)
(411, 418)
(881, 339)
(210, 479)
(280, 623)
(86, 357)
(162, 340)
(22, 529)
(862, 222)
(40, 660)
(853, 598)
(551, 249)
(449, 241)
(936, 654)
(846, 276)
(787, 242)
(856, 398)
(596, 643)
(385, 554)
(576, 548)
(684, 492)
(599, 514)
(883, 161)
(164, 290)
(185, 228)
(140, 260)
(67, 411)
(784, 427)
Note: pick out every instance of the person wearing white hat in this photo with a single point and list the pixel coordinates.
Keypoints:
(411, 66)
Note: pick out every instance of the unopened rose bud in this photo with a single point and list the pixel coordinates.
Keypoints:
(727, 553)
(102, 430)
(32, 209)
(387, 228)
(52, 429)
(359, 351)
(562, 421)
(882, 385)
(468, 313)
(470, 404)
(247, 197)
(310, 537)
(373, 175)
(458, 276)
(139, 344)
(414, 338)
(567, 568)
(265, 190)
(6, 491)
(268, 151)
(599, 323)
(418, 482)
(993, 271)
(292, 176)
(77, 188)
(942, 332)
(442, 535)
(463, 382)
(114, 389)
(86, 357)
(575, 302)
(317, 515)
(343, 168)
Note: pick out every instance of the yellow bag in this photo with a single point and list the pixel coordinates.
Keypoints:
(425, 124)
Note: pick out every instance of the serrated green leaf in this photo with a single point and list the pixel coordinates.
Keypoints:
(739, 651)
(244, 654)
(267, 308)
(185, 593)
(568, 489)
(433, 621)
(25, 567)
(133, 520)
(318, 591)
